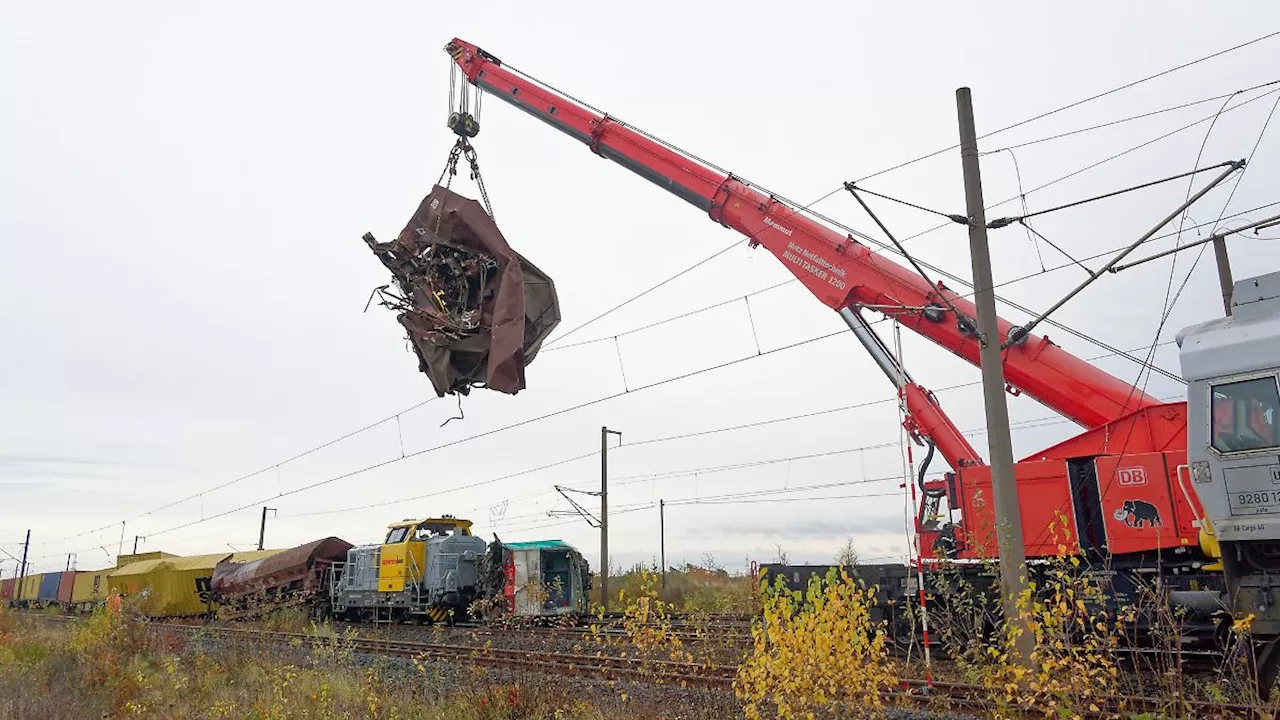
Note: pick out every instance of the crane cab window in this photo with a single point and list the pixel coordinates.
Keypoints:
(1244, 415)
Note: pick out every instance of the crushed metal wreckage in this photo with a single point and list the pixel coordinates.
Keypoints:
(476, 311)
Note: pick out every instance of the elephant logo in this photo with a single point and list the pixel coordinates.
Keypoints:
(1138, 513)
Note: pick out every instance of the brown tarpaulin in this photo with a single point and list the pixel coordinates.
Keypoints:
(476, 311)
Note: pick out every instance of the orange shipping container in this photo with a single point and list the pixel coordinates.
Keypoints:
(65, 584)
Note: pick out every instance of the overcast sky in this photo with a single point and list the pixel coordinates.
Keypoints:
(182, 277)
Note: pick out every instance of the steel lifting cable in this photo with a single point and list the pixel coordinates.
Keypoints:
(463, 147)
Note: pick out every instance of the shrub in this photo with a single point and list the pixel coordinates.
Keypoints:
(815, 651)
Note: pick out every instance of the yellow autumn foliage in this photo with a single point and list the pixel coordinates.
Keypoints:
(647, 621)
(1072, 671)
(814, 651)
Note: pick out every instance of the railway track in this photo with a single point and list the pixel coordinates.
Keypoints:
(716, 677)
(719, 677)
(608, 666)
(708, 634)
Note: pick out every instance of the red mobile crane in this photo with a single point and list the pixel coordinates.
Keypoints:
(1120, 482)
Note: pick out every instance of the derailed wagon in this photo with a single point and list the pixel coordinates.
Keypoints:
(475, 310)
(174, 586)
(538, 579)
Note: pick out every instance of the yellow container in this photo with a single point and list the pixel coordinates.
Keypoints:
(30, 588)
(173, 586)
(123, 560)
(89, 587)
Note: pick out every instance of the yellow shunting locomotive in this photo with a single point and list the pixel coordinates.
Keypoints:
(425, 570)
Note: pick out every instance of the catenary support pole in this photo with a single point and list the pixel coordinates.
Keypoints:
(22, 570)
(262, 528)
(604, 514)
(1003, 481)
(1224, 273)
(662, 538)
(136, 538)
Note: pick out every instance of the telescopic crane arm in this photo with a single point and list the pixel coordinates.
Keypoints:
(841, 272)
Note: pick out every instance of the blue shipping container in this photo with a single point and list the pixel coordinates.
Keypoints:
(49, 586)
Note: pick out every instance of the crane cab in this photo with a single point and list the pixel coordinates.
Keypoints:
(1231, 366)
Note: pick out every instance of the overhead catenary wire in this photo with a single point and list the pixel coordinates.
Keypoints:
(1009, 127)
(1131, 118)
(1240, 178)
(647, 326)
(1061, 326)
(552, 344)
(1022, 198)
(413, 407)
(1019, 334)
(1005, 221)
(394, 460)
(965, 322)
(255, 473)
(960, 219)
(1021, 308)
(1169, 303)
(690, 472)
(1034, 422)
(1055, 246)
(807, 206)
(777, 285)
(504, 428)
(957, 279)
(1078, 103)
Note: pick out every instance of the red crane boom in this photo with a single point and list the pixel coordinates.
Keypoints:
(846, 276)
(836, 268)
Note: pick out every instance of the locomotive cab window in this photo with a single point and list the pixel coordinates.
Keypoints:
(397, 535)
(1244, 415)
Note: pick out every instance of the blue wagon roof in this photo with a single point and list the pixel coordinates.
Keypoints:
(538, 545)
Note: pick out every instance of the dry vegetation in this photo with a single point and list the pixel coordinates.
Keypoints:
(814, 653)
(703, 588)
(111, 665)
(817, 653)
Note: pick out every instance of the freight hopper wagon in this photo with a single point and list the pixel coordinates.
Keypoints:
(424, 571)
(297, 577)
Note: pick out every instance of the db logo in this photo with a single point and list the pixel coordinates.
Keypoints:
(1129, 477)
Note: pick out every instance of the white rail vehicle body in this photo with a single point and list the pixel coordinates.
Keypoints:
(1233, 442)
